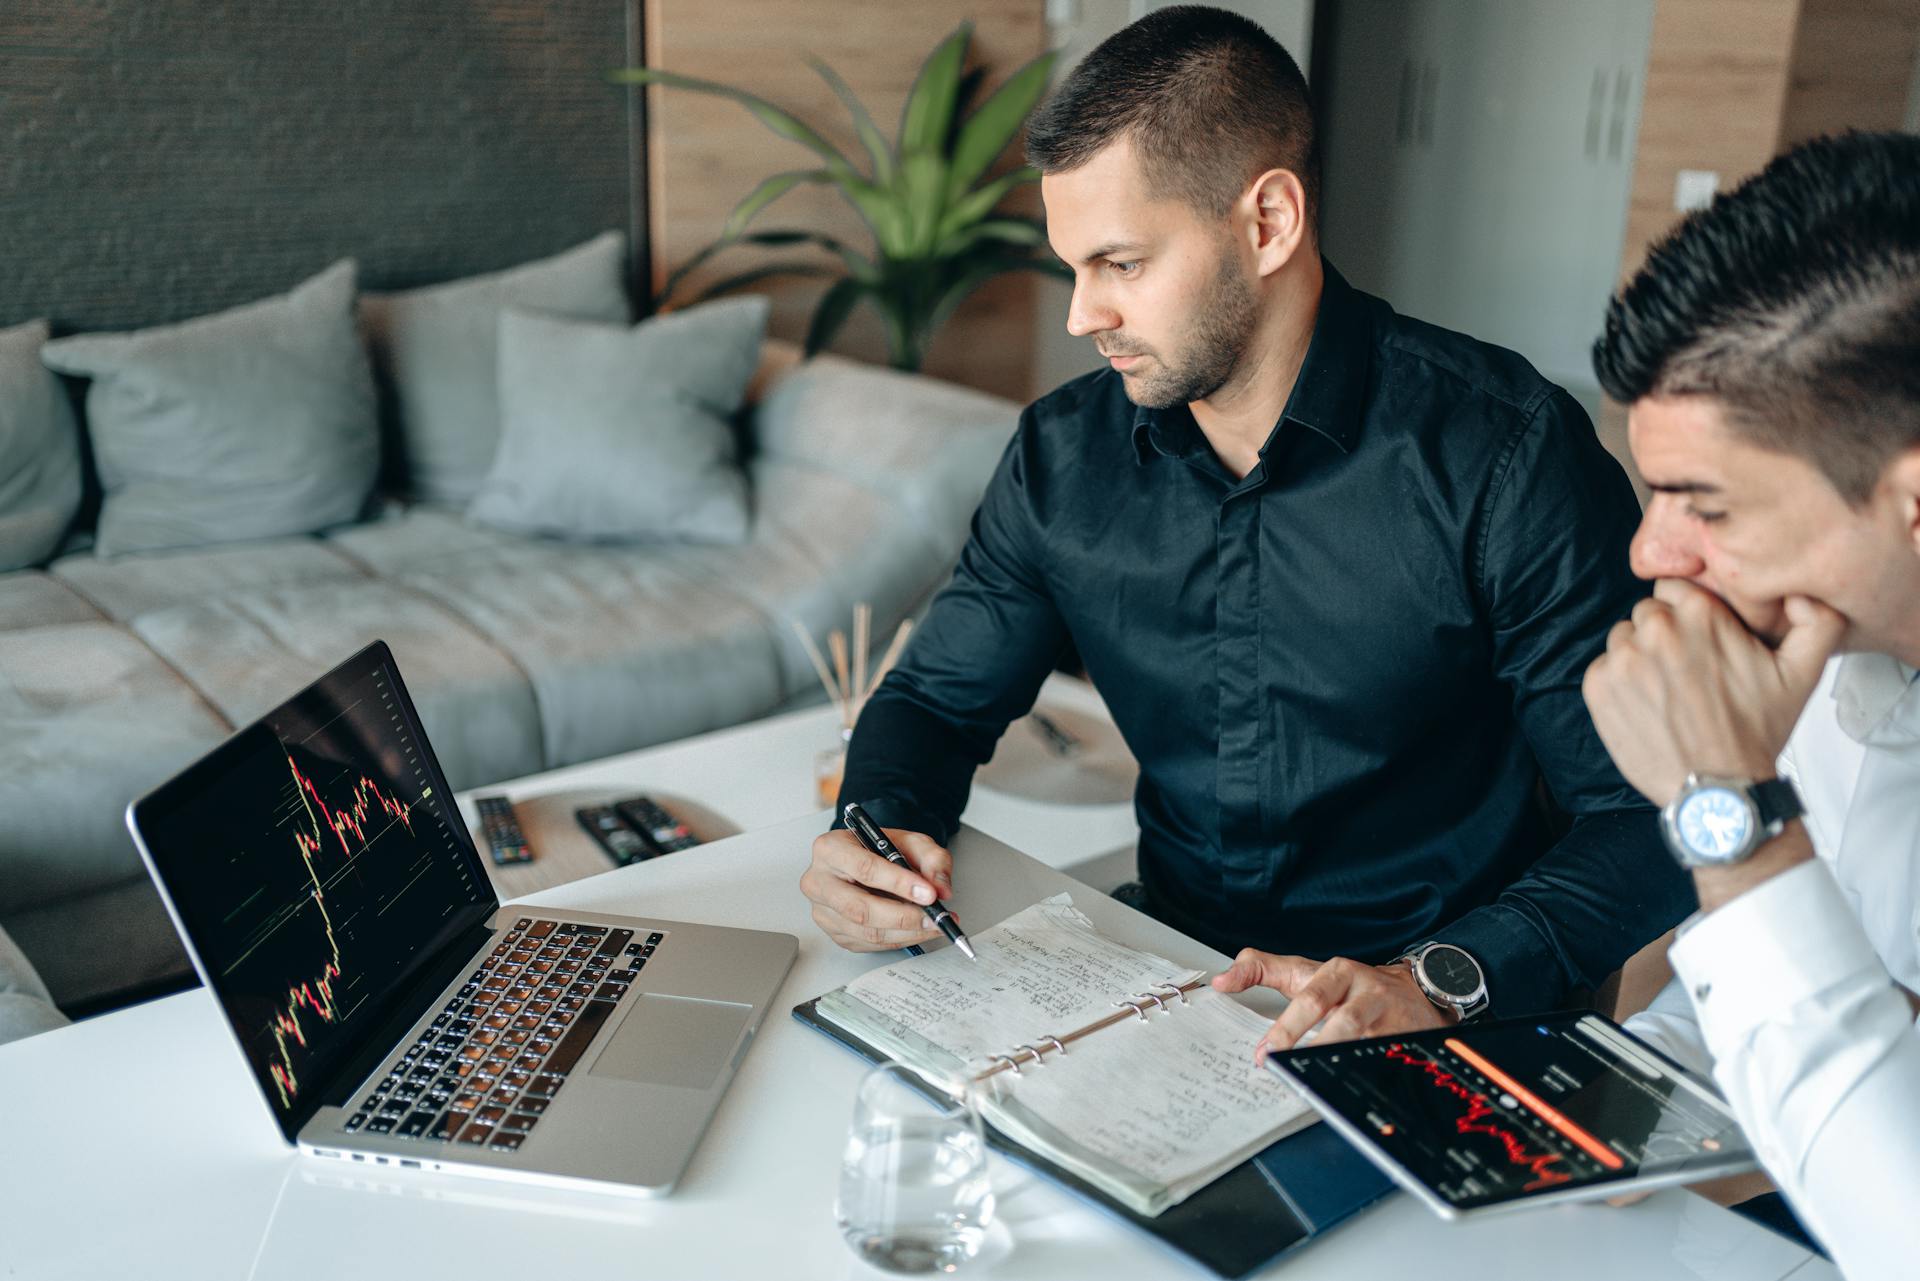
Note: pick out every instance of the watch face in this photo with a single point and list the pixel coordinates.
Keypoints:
(1451, 971)
(1715, 823)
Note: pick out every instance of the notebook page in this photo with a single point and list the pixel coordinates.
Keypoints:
(1045, 970)
(1176, 1099)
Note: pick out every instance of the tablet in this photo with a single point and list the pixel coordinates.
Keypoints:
(1496, 1116)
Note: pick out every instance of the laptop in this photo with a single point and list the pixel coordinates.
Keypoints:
(391, 1010)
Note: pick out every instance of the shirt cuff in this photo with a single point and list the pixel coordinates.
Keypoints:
(1784, 941)
(887, 811)
(1513, 955)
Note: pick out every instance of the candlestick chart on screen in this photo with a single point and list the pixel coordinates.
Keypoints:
(325, 863)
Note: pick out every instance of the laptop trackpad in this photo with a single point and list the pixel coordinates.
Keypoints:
(674, 1040)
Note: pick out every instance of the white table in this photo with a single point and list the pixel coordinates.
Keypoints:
(135, 1145)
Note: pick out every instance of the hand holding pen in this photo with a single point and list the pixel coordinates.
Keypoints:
(869, 834)
(865, 903)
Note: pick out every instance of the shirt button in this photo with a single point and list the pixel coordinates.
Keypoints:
(1701, 992)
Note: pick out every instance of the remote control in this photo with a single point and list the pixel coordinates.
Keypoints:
(505, 841)
(622, 844)
(667, 834)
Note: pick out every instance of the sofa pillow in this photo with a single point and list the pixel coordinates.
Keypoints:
(39, 451)
(611, 434)
(252, 423)
(436, 348)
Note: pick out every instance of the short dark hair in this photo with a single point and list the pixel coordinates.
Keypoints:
(1794, 301)
(1209, 98)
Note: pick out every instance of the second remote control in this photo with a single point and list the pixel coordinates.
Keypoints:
(667, 833)
(616, 836)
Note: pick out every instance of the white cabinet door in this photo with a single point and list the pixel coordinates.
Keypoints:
(1511, 186)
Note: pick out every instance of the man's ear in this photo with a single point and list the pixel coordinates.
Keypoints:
(1902, 478)
(1279, 224)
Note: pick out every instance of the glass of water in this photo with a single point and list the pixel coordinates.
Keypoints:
(914, 1192)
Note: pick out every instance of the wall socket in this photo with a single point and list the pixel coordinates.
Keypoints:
(1694, 189)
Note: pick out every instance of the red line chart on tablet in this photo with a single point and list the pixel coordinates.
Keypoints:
(1481, 1116)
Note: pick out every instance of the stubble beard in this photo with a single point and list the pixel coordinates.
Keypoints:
(1220, 336)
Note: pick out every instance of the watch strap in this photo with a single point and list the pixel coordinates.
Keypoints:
(1777, 801)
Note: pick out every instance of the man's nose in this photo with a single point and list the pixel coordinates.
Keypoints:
(1665, 545)
(1086, 316)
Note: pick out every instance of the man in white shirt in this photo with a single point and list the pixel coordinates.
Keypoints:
(1770, 353)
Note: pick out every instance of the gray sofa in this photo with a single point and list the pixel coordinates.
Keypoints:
(523, 654)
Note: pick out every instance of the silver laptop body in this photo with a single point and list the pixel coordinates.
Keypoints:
(391, 1011)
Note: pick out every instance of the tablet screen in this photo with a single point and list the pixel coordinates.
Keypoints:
(1521, 1109)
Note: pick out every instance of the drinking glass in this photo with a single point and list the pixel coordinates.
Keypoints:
(914, 1192)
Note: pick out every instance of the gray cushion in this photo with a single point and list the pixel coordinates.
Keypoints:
(249, 652)
(40, 480)
(125, 589)
(251, 423)
(616, 434)
(412, 537)
(30, 598)
(437, 346)
(812, 571)
(89, 719)
(621, 653)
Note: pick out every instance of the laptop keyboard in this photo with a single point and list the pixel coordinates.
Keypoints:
(489, 1065)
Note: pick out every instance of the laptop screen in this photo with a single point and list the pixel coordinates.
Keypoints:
(316, 862)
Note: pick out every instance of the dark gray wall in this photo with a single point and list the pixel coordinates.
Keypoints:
(160, 159)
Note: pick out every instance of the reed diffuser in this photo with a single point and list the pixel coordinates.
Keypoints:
(848, 686)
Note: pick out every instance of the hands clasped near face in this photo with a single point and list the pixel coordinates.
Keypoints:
(1685, 688)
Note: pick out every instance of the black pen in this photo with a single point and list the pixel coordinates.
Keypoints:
(876, 840)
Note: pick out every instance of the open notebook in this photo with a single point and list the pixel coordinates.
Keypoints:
(1107, 1060)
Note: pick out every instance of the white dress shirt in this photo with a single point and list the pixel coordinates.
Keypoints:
(1786, 993)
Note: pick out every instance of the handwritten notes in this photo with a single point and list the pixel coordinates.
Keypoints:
(1042, 972)
(1150, 1109)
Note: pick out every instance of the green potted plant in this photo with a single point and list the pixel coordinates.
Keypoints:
(927, 199)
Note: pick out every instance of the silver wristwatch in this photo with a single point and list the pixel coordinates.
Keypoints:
(1716, 822)
(1450, 978)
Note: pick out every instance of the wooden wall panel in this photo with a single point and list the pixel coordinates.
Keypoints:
(1732, 83)
(1717, 76)
(1852, 65)
(706, 153)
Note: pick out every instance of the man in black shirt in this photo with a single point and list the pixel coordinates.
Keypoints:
(1337, 574)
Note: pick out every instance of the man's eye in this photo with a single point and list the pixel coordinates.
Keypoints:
(1706, 517)
(1124, 269)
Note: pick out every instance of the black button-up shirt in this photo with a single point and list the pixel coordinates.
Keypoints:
(1344, 675)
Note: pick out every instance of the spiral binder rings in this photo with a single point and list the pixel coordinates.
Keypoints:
(1136, 1006)
(1141, 1100)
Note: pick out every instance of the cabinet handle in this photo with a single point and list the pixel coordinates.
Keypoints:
(1617, 132)
(1428, 89)
(1403, 116)
(1596, 104)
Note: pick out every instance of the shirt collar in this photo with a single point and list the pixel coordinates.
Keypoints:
(1877, 700)
(1328, 397)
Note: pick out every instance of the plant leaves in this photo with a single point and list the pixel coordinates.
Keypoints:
(835, 306)
(784, 123)
(769, 190)
(977, 204)
(1011, 231)
(857, 264)
(870, 136)
(923, 192)
(757, 274)
(929, 111)
(979, 273)
(988, 131)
